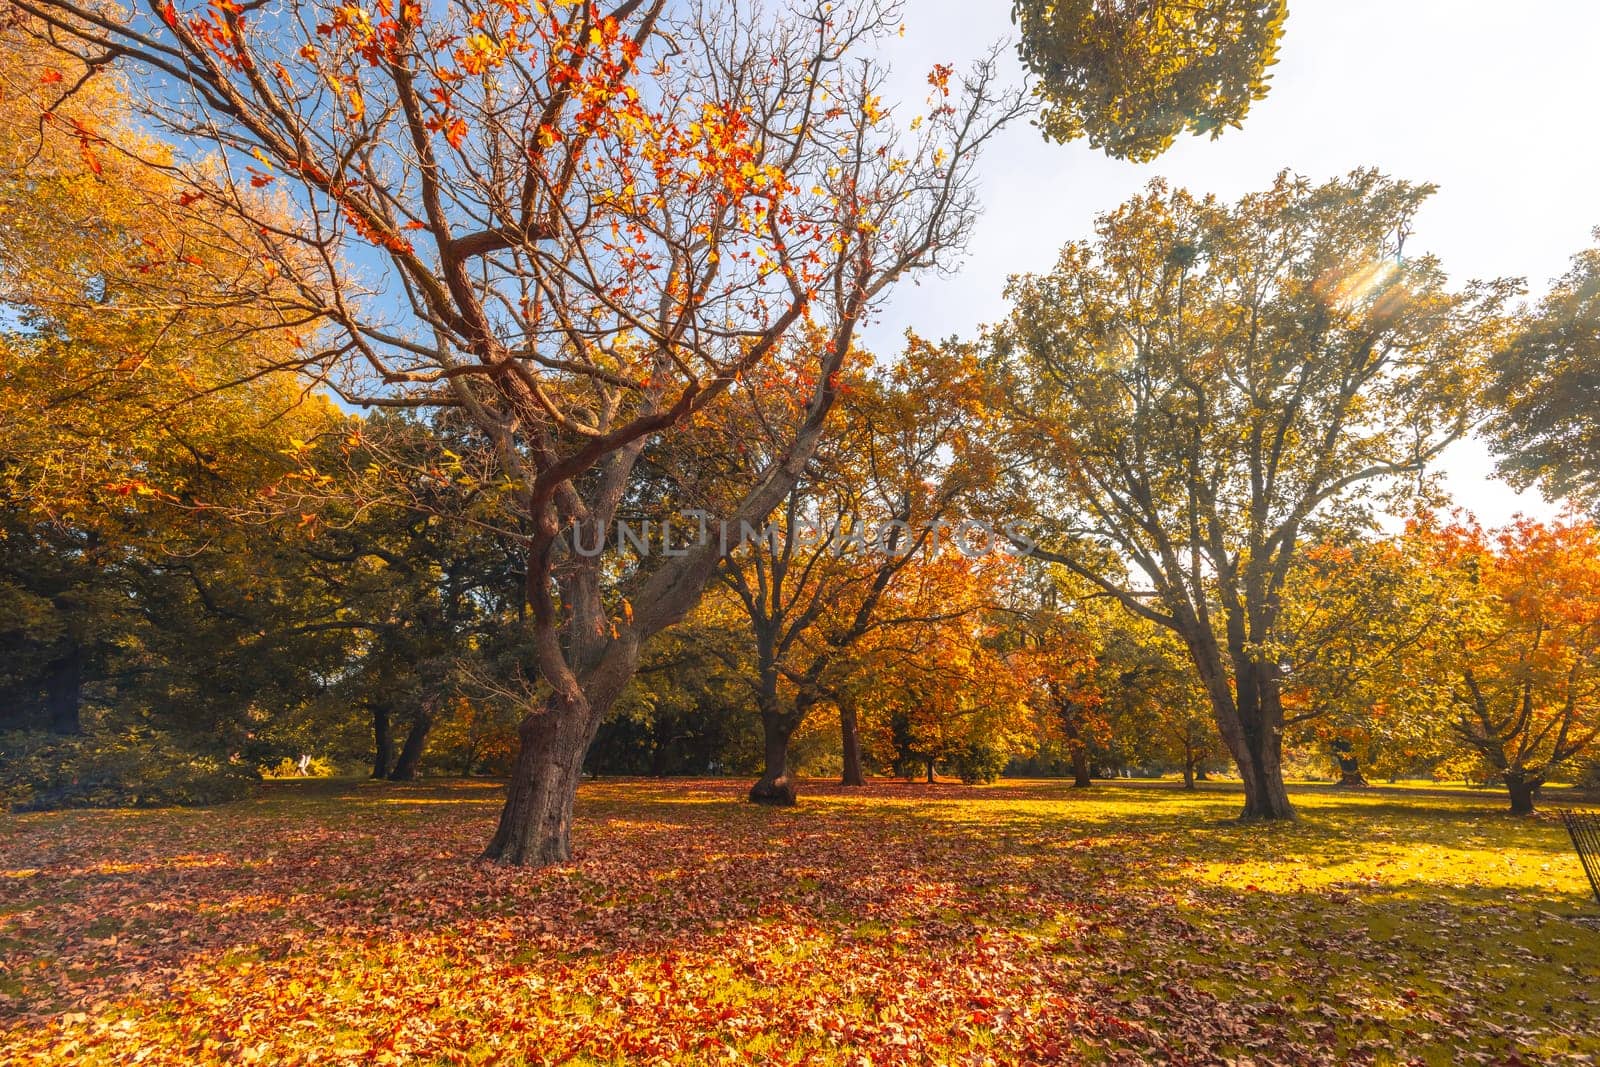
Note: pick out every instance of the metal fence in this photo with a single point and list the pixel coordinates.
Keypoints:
(1584, 826)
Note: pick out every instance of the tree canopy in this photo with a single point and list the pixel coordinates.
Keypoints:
(1547, 387)
(1132, 75)
(1204, 384)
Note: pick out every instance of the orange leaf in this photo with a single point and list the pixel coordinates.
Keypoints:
(50, 77)
(456, 133)
(90, 160)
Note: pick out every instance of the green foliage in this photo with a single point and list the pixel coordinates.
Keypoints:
(1547, 389)
(132, 767)
(1590, 777)
(1131, 75)
(978, 762)
(1206, 384)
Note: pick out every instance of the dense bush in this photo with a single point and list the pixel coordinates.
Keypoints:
(978, 763)
(132, 768)
(1590, 778)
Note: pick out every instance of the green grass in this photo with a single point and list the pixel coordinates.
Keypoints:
(1020, 923)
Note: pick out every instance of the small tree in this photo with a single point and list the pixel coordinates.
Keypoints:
(1521, 655)
(879, 505)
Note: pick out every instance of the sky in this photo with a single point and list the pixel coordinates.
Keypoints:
(1494, 102)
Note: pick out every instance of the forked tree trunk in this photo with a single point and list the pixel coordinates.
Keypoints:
(405, 767)
(1251, 724)
(382, 741)
(1524, 792)
(776, 785)
(1260, 761)
(850, 737)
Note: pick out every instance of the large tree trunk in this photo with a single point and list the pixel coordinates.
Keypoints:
(1524, 790)
(382, 741)
(1081, 776)
(1188, 772)
(536, 823)
(776, 785)
(850, 736)
(586, 670)
(405, 767)
(64, 692)
(1250, 718)
(1261, 767)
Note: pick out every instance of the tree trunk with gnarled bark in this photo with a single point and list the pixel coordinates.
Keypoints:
(776, 785)
(1249, 715)
(850, 737)
(1260, 759)
(535, 826)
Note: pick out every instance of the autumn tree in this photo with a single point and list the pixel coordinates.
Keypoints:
(133, 419)
(1520, 658)
(1051, 636)
(590, 224)
(1546, 389)
(1155, 710)
(944, 691)
(1131, 75)
(878, 504)
(1205, 380)
(1355, 608)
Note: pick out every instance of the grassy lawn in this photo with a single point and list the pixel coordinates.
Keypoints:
(1019, 923)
